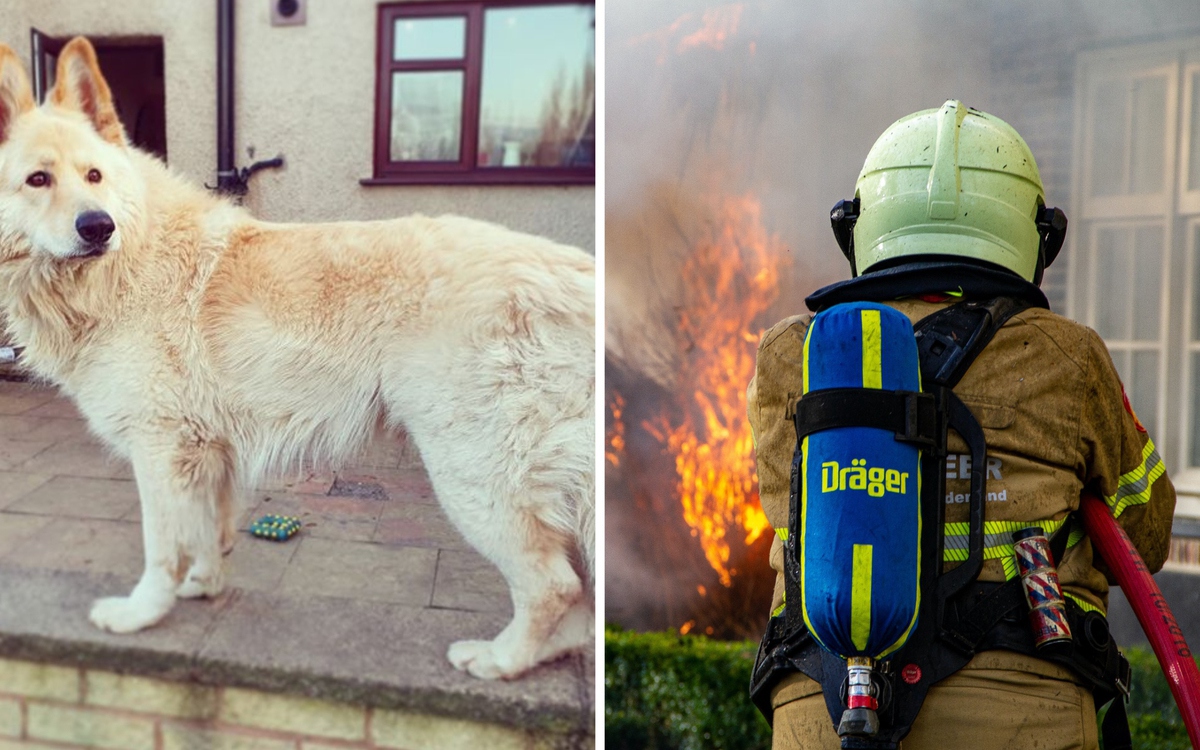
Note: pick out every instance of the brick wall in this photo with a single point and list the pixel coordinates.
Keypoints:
(50, 707)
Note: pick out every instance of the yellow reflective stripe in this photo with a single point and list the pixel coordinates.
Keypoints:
(1084, 604)
(997, 538)
(1010, 567)
(860, 596)
(779, 610)
(782, 533)
(804, 370)
(1133, 487)
(872, 350)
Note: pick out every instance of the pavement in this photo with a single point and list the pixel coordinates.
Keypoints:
(360, 606)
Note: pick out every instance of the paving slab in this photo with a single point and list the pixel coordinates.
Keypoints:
(14, 485)
(85, 545)
(16, 452)
(16, 529)
(20, 398)
(77, 497)
(330, 567)
(77, 457)
(465, 580)
(25, 427)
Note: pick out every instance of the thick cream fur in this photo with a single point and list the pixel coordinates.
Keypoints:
(212, 350)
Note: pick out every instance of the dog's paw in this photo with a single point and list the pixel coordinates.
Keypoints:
(123, 614)
(478, 659)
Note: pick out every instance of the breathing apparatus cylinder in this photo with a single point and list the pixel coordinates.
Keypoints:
(860, 517)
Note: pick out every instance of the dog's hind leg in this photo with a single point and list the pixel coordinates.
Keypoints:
(180, 487)
(535, 560)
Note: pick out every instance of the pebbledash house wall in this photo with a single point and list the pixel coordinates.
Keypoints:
(307, 92)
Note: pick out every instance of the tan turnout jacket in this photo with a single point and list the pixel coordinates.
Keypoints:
(1055, 420)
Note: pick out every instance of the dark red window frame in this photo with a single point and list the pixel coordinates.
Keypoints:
(465, 170)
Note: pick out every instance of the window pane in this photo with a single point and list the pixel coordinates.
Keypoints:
(1108, 139)
(429, 38)
(1194, 140)
(1112, 298)
(1149, 128)
(537, 106)
(1195, 301)
(1194, 413)
(1147, 281)
(1143, 390)
(427, 116)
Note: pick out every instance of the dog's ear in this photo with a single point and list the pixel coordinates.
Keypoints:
(16, 95)
(80, 86)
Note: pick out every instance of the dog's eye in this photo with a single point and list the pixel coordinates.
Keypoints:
(38, 179)
(93, 176)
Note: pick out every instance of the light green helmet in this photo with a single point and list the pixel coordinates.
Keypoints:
(953, 182)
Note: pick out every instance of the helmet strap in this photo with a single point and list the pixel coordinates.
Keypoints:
(843, 218)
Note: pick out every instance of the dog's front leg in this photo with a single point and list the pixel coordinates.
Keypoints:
(180, 491)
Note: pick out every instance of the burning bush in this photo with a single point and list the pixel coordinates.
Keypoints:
(682, 491)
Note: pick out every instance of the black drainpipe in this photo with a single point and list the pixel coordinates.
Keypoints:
(231, 181)
(227, 177)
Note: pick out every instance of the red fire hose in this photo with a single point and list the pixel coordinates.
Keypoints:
(1148, 603)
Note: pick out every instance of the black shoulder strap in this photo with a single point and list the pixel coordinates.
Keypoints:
(949, 340)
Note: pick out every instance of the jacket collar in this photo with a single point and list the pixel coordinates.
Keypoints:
(929, 277)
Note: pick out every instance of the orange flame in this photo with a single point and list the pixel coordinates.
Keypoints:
(615, 439)
(716, 26)
(731, 277)
(719, 24)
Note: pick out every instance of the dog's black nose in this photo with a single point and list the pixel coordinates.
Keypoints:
(95, 226)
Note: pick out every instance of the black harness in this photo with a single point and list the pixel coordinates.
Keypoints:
(959, 616)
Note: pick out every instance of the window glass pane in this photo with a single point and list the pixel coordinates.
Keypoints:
(1195, 301)
(1108, 138)
(1112, 300)
(1149, 130)
(429, 38)
(1147, 281)
(426, 116)
(1143, 390)
(1194, 413)
(537, 105)
(1194, 141)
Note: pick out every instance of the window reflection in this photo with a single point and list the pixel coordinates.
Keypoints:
(538, 91)
(426, 116)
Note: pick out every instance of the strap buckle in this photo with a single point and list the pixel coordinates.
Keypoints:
(920, 419)
(1124, 676)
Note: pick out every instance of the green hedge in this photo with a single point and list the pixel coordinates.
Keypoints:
(664, 691)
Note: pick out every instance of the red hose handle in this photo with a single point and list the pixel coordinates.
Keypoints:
(1148, 603)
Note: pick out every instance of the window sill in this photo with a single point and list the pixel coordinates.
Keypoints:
(480, 178)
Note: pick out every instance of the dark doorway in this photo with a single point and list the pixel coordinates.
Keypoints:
(133, 67)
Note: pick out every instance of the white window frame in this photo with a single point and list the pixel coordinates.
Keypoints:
(1089, 212)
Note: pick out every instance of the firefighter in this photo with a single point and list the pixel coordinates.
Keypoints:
(949, 206)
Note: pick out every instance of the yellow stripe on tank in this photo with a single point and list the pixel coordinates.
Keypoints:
(860, 596)
(872, 349)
